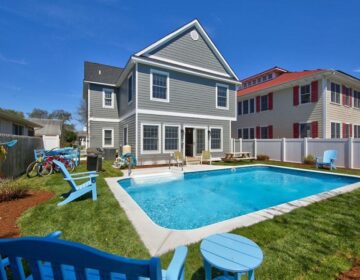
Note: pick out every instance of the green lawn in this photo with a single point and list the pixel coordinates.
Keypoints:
(314, 242)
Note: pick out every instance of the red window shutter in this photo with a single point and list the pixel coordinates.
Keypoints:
(314, 91)
(343, 95)
(270, 99)
(344, 131)
(296, 130)
(351, 98)
(258, 132)
(270, 131)
(257, 103)
(296, 95)
(314, 130)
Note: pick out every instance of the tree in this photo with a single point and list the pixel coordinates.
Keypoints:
(82, 113)
(39, 114)
(13, 112)
(61, 115)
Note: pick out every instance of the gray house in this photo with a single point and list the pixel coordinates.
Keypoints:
(177, 94)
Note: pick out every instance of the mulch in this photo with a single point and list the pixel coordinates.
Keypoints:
(353, 273)
(10, 211)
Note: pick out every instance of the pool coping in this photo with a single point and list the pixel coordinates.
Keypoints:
(159, 240)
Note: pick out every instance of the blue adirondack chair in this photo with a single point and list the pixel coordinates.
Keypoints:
(51, 258)
(328, 159)
(77, 190)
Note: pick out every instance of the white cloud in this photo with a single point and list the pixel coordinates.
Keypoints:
(357, 70)
(12, 60)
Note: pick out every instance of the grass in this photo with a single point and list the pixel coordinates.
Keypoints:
(313, 242)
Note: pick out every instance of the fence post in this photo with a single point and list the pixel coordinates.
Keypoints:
(240, 145)
(283, 155)
(350, 153)
(305, 149)
(232, 145)
(255, 148)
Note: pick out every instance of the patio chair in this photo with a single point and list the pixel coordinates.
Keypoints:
(77, 190)
(328, 159)
(205, 157)
(52, 258)
(179, 158)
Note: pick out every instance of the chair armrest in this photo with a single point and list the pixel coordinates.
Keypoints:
(81, 178)
(82, 173)
(176, 266)
(55, 234)
(5, 262)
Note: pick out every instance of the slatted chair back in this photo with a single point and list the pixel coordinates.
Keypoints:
(329, 155)
(69, 260)
(206, 155)
(66, 174)
(178, 155)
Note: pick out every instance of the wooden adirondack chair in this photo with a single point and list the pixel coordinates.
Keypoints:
(77, 190)
(328, 159)
(205, 157)
(51, 258)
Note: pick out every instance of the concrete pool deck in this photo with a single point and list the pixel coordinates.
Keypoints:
(159, 240)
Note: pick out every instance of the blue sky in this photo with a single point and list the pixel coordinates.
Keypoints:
(43, 44)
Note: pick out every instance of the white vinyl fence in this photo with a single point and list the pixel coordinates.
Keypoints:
(295, 150)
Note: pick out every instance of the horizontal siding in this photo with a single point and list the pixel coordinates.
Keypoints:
(283, 115)
(181, 121)
(5, 126)
(188, 94)
(130, 122)
(96, 133)
(96, 103)
(124, 106)
(186, 50)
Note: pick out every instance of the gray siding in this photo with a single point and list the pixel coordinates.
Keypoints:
(5, 126)
(96, 135)
(124, 105)
(96, 103)
(130, 122)
(157, 158)
(188, 94)
(186, 50)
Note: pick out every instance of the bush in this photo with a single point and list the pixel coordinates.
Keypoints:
(309, 159)
(11, 190)
(263, 157)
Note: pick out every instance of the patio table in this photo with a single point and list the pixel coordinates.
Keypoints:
(230, 253)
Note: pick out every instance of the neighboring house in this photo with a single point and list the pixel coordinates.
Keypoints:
(177, 94)
(82, 138)
(51, 132)
(16, 125)
(314, 103)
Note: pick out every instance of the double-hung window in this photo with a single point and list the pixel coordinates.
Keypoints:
(357, 99)
(125, 135)
(18, 129)
(347, 96)
(222, 98)
(216, 139)
(305, 130)
(335, 93)
(346, 130)
(239, 133)
(252, 105)
(264, 132)
(171, 138)
(264, 103)
(150, 138)
(130, 88)
(305, 96)
(108, 137)
(335, 130)
(108, 101)
(246, 107)
(245, 133)
(239, 107)
(357, 131)
(159, 86)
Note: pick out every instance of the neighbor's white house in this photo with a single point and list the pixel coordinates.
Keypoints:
(278, 103)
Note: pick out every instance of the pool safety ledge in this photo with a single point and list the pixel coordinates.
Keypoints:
(159, 240)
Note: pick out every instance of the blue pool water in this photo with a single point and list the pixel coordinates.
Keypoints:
(203, 198)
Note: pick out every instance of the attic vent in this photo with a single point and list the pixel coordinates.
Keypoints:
(99, 72)
(194, 35)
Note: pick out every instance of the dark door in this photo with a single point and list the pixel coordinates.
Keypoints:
(189, 142)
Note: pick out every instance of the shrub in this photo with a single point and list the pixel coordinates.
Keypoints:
(309, 159)
(263, 157)
(11, 190)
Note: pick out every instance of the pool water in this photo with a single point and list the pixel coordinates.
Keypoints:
(201, 198)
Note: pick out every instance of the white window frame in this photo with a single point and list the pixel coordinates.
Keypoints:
(221, 139)
(267, 132)
(167, 74)
(227, 97)
(354, 99)
(351, 91)
(158, 151)
(307, 123)
(132, 88)
(112, 98)
(127, 135)
(163, 137)
(356, 125)
(112, 137)
(340, 129)
(300, 96)
(261, 105)
(334, 102)
(348, 125)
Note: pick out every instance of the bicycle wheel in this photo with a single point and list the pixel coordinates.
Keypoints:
(70, 165)
(32, 169)
(44, 169)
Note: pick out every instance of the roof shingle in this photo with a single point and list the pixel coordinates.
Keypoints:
(101, 73)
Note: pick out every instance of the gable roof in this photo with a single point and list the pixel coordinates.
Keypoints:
(101, 73)
(195, 23)
(49, 127)
(17, 119)
(282, 79)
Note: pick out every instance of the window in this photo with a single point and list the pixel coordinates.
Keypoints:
(108, 98)
(159, 86)
(108, 137)
(252, 133)
(246, 107)
(31, 132)
(264, 78)
(216, 139)
(264, 132)
(18, 129)
(335, 93)
(346, 130)
(252, 105)
(335, 130)
(245, 133)
(357, 99)
(239, 107)
(239, 133)
(357, 131)
(305, 96)
(125, 135)
(150, 138)
(305, 130)
(171, 135)
(264, 103)
(269, 76)
(347, 96)
(222, 96)
(130, 88)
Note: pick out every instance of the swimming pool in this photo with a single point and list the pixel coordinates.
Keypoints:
(197, 199)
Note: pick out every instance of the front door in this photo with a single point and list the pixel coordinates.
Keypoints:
(189, 142)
